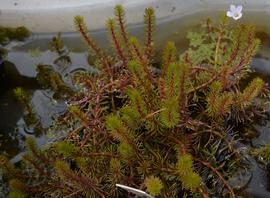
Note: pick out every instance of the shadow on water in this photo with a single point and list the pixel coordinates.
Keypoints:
(11, 110)
(259, 186)
(19, 69)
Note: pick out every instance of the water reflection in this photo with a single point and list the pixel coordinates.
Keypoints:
(11, 110)
(20, 70)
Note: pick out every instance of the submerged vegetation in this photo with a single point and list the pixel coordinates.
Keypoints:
(172, 130)
(30, 117)
(7, 34)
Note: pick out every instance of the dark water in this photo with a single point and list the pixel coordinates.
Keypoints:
(259, 182)
(19, 70)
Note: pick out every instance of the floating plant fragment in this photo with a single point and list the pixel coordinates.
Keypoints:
(35, 52)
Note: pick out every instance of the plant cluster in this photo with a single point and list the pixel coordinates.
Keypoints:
(171, 131)
(7, 34)
(30, 117)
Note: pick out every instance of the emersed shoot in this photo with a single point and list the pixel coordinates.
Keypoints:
(170, 133)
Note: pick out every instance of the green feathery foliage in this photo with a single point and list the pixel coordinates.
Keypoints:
(77, 113)
(218, 102)
(111, 26)
(31, 118)
(51, 79)
(135, 68)
(153, 185)
(172, 80)
(149, 21)
(190, 179)
(263, 152)
(82, 28)
(57, 45)
(137, 101)
(115, 165)
(126, 150)
(250, 92)
(169, 115)
(119, 13)
(67, 149)
(61, 167)
(131, 117)
(163, 130)
(21, 95)
(169, 56)
(119, 131)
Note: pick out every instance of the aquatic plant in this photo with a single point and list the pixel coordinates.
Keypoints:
(30, 117)
(171, 131)
(8, 34)
(48, 78)
(262, 153)
(57, 45)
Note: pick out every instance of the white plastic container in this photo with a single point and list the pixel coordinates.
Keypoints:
(47, 16)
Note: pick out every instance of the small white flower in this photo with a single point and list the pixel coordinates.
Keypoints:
(235, 12)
